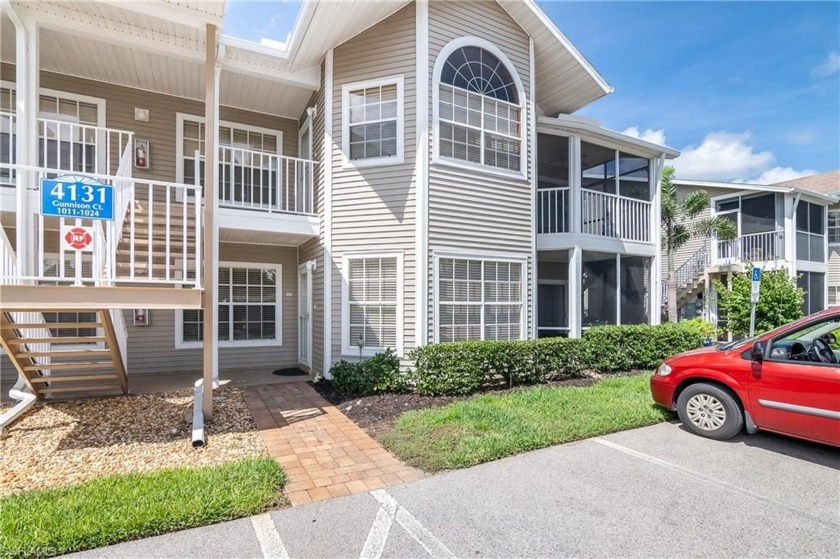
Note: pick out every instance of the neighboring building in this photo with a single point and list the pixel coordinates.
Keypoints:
(828, 184)
(779, 226)
(399, 173)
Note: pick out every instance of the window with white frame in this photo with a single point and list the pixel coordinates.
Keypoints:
(834, 227)
(372, 303)
(478, 110)
(479, 299)
(372, 123)
(248, 309)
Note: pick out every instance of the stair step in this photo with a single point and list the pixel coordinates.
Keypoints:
(87, 353)
(50, 325)
(71, 378)
(51, 340)
(112, 385)
(70, 366)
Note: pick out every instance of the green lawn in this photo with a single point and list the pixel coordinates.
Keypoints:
(489, 427)
(125, 507)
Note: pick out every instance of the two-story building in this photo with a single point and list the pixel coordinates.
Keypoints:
(396, 174)
(783, 226)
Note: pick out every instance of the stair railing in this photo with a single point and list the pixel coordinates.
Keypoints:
(693, 268)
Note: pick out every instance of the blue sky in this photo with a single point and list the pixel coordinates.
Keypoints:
(747, 90)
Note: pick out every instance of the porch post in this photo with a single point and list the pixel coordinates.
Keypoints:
(210, 264)
(575, 291)
(27, 85)
(656, 234)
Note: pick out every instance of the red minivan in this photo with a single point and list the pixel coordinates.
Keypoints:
(786, 381)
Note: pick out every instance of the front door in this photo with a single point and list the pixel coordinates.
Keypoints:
(305, 314)
(796, 390)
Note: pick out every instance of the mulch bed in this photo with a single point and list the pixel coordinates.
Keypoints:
(376, 414)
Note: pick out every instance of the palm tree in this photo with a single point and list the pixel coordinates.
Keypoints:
(680, 222)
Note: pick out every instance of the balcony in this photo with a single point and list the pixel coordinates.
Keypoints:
(602, 215)
(768, 246)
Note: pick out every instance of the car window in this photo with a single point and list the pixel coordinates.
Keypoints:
(802, 345)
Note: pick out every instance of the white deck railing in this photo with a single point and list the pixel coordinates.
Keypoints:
(264, 181)
(754, 247)
(610, 215)
(158, 242)
(553, 210)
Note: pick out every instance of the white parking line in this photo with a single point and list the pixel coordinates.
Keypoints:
(433, 546)
(270, 543)
(378, 535)
(708, 479)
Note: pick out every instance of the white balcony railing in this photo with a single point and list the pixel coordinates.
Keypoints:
(609, 215)
(154, 238)
(268, 182)
(553, 210)
(67, 146)
(754, 247)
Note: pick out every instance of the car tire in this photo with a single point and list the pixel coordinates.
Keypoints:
(710, 411)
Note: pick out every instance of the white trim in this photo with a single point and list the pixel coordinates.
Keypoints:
(307, 267)
(346, 348)
(421, 181)
(100, 102)
(532, 153)
(483, 256)
(305, 127)
(180, 118)
(278, 313)
(346, 89)
(328, 173)
(593, 132)
(441, 58)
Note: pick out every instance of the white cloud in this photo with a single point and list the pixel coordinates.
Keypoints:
(653, 136)
(722, 156)
(829, 67)
(802, 137)
(780, 174)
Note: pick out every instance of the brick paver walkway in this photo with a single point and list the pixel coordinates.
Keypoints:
(323, 453)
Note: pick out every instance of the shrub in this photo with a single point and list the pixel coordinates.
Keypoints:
(466, 367)
(780, 301)
(378, 374)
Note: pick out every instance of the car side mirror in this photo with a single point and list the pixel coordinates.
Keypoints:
(758, 352)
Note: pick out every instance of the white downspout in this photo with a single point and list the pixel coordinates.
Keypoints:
(26, 400)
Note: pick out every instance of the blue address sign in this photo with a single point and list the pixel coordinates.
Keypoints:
(77, 196)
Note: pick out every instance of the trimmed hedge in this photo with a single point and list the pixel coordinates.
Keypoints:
(378, 374)
(467, 367)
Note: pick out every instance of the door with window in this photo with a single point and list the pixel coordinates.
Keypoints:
(795, 389)
(305, 314)
(303, 177)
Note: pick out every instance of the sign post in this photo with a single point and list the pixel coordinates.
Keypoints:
(756, 286)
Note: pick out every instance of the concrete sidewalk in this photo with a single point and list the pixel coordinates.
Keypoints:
(652, 492)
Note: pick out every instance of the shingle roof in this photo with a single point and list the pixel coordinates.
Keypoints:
(824, 183)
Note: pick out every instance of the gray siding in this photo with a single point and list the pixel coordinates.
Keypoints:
(152, 348)
(373, 208)
(471, 210)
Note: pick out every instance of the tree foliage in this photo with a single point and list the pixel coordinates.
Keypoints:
(779, 302)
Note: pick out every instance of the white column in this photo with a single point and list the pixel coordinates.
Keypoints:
(791, 204)
(421, 174)
(532, 110)
(211, 101)
(655, 231)
(575, 207)
(27, 85)
(575, 303)
(328, 171)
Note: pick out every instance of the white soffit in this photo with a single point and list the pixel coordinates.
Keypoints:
(324, 25)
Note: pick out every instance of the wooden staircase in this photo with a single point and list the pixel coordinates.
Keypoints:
(82, 365)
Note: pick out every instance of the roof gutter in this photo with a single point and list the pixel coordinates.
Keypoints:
(577, 124)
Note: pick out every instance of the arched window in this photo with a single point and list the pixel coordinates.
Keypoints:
(479, 108)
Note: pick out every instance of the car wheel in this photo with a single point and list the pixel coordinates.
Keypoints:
(710, 411)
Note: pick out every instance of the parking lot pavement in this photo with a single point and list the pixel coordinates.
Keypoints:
(658, 491)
